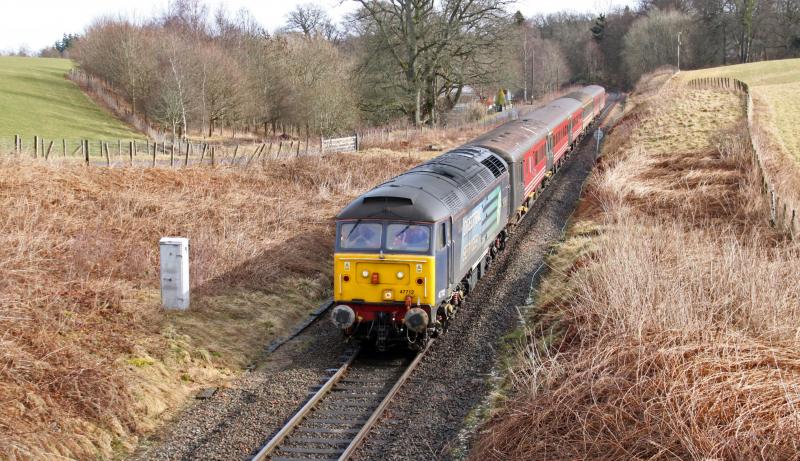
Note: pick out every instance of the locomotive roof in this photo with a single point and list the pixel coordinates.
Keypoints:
(432, 191)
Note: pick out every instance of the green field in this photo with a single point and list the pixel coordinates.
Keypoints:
(777, 84)
(36, 99)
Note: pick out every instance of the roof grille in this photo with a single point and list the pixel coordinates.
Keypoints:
(478, 182)
(453, 201)
(469, 190)
(487, 176)
(494, 165)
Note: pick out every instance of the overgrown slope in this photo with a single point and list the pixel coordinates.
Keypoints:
(88, 361)
(667, 328)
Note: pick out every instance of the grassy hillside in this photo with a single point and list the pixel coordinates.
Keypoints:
(776, 85)
(36, 99)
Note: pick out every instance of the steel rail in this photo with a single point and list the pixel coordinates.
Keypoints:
(362, 434)
(290, 426)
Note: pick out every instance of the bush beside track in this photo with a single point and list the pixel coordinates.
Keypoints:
(667, 327)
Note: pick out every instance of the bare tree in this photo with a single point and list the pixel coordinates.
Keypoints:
(652, 42)
(312, 21)
(424, 39)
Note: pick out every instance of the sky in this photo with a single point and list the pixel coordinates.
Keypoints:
(36, 24)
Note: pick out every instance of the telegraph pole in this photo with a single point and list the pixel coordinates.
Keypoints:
(525, 65)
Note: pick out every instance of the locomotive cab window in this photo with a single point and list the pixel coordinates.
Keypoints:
(360, 236)
(408, 237)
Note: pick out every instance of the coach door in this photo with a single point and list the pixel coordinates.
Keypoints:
(571, 140)
(444, 259)
(549, 151)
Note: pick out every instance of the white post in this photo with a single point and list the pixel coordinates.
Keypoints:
(174, 252)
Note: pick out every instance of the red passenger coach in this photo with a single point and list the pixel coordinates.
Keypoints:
(534, 166)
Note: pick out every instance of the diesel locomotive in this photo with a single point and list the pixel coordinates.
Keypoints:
(408, 251)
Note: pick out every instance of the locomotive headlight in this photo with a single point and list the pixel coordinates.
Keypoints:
(365, 274)
(400, 274)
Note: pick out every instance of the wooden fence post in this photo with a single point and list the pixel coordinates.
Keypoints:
(783, 216)
(235, 150)
(64, 146)
(186, 158)
(203, 153)
(47, 154)
(130, 151)
(155, 145)
(16, 144)
(108, 160)
(35, 146)
(321, 145)
(85, 150)
(119, 148)
(772, 207)
(171, 155)
(212, 155)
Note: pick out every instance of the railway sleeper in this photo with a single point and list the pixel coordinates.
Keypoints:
(319, 440)
(312, 451)
(322, 430)
(283, 458)
(351, 422)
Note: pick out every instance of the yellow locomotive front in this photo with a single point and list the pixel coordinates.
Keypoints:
(384, 279)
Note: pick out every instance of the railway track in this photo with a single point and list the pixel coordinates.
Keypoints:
(341, 411)
(338, 415)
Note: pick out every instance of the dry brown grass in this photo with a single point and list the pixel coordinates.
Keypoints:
(677, 325)
(88, 361)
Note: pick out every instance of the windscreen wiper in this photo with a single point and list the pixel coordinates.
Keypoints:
(402, 231)
(353, 229)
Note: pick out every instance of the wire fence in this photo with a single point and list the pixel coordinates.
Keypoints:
(152, 153)
(160, 151)
(783, 210)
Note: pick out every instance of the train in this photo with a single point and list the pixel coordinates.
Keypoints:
(410, 250)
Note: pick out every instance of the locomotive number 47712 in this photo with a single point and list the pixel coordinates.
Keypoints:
(407, 292)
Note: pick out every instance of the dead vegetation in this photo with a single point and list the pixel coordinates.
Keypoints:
(88, 361)
(668, 327)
